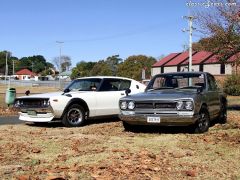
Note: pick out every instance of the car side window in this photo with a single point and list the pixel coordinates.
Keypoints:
(124, 84)
(110, 85)
(212, 85)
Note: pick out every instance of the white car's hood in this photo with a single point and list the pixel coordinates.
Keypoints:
(52, 94)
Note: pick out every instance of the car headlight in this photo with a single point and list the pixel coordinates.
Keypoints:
(17, 103)
(46, 103)
(131, 105)
(123, 105)
(179, 105)
(189, 105)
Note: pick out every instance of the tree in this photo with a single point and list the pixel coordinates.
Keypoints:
(132, 67)
(65, 63)
(221, 28)
(113, 62)
(82, 69)
(101, 68)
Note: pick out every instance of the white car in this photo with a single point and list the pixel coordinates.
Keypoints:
(84, 98)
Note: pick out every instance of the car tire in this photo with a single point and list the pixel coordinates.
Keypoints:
(203, 122)
(127, 127)
(222, 119)
(74, 116)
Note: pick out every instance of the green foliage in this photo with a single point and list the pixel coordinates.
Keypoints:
(82, 69)
(232, 85)
(101, 68)
(133, 65)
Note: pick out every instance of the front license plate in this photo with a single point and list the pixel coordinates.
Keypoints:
(153, 119)
(32, 113)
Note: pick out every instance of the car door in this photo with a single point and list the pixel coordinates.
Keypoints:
(213, 96)
(111, 90)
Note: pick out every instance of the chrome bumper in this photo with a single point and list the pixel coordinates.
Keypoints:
(183, 119)
(36, 114)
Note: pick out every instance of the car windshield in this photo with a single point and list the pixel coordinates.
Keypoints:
(89, 84)
(177, 81)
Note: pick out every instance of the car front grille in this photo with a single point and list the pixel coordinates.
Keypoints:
(32, 103)
(156, 105)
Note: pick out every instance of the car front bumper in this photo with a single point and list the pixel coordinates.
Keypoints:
(36, 114)
(182, 119)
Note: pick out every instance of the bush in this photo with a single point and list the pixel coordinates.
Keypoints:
(232, 85)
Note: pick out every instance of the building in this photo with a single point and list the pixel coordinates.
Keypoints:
(201, 61)
(25, 74)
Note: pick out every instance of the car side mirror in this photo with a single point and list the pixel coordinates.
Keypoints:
(127, 91)
(27, 92)
(66, 90)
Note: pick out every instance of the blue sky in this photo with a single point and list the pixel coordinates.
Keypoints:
(92, 29)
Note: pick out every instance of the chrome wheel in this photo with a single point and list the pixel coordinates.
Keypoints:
(203, 122)
(74, 116)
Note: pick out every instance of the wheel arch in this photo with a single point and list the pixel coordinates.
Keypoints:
(78, 101)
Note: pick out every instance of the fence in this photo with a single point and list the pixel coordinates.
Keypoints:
(57, 84)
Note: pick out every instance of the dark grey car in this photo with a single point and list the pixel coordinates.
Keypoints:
(176, 99)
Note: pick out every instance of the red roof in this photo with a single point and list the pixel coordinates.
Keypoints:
(234, 58)
(199, 57)
(165, 59)
(25, 72)
(179, 59)
(213, 59)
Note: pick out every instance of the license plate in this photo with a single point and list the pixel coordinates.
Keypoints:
(32, 113)
(153, 119)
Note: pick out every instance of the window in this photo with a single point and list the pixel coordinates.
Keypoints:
(162, 69)
(222, 70)
(212, 85)
(115, 85)
(201, 67)
(84, 84)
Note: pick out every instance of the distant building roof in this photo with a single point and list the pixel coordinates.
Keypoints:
(201, 57)
(166, 59)
(66, 73)
(25, 72)
(179, 59)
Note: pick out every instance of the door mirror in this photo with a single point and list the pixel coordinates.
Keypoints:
(127, 91)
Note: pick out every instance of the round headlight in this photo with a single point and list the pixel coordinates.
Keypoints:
(179, 105)
(189, 105)
(123, 105)
(131, 105)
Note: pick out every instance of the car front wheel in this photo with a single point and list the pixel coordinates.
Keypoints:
(74, 116)
(223, 114)
(203, 122)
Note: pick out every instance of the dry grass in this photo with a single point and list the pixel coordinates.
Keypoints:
(105, 151)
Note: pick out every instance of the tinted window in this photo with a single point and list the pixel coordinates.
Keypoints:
(115, 85)
(212, 85)
(85, 84)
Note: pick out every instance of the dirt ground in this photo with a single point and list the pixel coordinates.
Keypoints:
(103, 150)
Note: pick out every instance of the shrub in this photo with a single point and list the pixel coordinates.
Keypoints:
(232, 85)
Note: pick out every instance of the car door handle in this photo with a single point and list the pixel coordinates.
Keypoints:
(122, 94)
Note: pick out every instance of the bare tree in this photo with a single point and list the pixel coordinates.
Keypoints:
(64, 64)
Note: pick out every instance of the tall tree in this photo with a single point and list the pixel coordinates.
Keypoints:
(82, 69)
(221, 30)
(132, 67)
(64, 64)
(112, 62)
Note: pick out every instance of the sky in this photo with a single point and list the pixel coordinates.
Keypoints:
(92, 30)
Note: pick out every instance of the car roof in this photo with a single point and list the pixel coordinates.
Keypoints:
(181, 73)
(103, 77)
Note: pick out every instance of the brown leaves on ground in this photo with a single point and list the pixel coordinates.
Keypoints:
(105, 151)
(4, 111)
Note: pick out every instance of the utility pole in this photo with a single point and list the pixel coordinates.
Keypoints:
(6, 69)
(13, 67)
(60, 57)
(190, 19)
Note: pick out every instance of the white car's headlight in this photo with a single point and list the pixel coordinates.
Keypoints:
(123, 105)
(189, 105)
(179, 105)
(131, 105)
